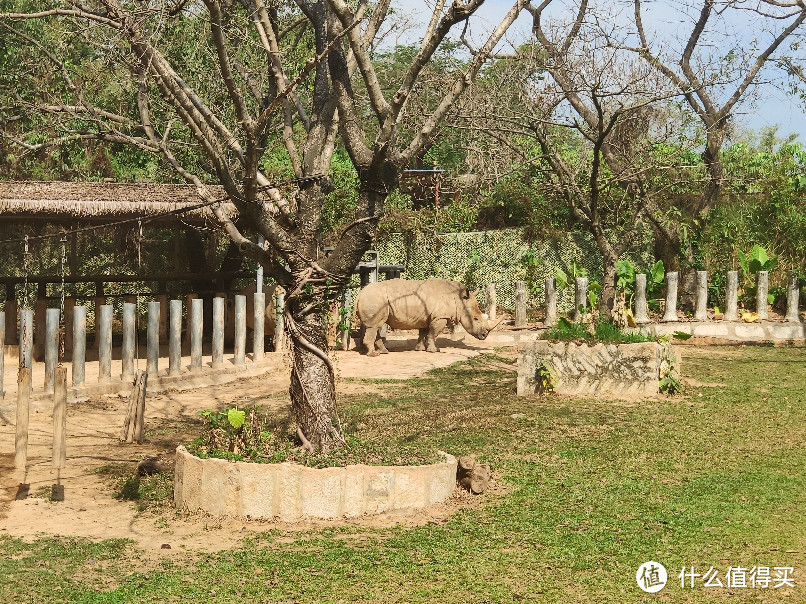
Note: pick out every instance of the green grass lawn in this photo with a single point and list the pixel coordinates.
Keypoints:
(715, 476)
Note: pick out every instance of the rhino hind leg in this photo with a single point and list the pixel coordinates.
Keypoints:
(421, 340)
(379, 344)
(370, 334)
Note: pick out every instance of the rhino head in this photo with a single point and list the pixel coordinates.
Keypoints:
(470, 315)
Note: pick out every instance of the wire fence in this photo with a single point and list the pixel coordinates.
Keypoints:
(502, 257)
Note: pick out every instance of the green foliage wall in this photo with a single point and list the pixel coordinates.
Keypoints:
(501, 257)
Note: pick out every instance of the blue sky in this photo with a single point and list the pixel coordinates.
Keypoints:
(664, 18)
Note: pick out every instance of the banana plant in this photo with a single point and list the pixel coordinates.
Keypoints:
(757, 260)
(753, 262)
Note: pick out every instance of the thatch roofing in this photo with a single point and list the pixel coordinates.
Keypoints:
(93, 201)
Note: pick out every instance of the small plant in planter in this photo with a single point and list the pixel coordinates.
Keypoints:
(248, 435)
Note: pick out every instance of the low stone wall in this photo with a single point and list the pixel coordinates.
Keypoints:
(729, 330)
(623, 369)
(291, 492)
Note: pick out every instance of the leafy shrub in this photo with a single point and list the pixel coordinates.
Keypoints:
(604, 332)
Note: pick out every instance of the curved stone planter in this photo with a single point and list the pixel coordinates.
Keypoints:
(291, 492)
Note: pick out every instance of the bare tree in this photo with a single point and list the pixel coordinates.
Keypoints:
(714, 65)
(258, 89)
(595, 114)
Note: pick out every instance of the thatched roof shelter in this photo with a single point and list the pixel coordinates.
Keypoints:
(58, 201)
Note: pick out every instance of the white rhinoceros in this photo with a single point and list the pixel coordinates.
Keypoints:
(425, 305)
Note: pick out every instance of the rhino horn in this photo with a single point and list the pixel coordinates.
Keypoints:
(493, 326)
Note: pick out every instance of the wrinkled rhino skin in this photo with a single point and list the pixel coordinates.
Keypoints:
(424, 305)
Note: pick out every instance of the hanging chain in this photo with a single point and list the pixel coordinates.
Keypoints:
(139, 242)
(62, 326)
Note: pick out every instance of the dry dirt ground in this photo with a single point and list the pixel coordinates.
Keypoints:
(89, 508)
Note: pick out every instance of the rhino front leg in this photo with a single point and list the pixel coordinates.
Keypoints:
(434, 330)
(370, 333)
(422, 339)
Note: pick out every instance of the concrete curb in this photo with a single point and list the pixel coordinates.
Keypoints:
(273, 362)
(293, 493)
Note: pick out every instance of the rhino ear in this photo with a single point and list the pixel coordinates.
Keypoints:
(474, 293)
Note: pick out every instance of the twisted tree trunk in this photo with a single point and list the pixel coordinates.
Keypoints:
(313, 386)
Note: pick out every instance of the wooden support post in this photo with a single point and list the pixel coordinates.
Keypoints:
(60, 417)
(175, 338)
(240, 330)
(135, 412)
(23, 414)
(79, 356)
(2, 353)
(27, 340)
(259, 311)
(140, 416)
(218, 332)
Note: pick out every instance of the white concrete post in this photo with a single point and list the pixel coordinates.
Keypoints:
(240, 330)
(105, 342)
(580, 298)
(701, 300)
(175, 338)
(51, 345)
(79, 356)
(671, 297)
(732, 296)
(551, 302)
(259, 310)
(520, 304)
(127, 349)
(196, 333)
(762, 289)
(641, 316)
(792, 297)
(153, 338)
(218, 332)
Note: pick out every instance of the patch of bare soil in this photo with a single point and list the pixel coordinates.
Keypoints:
(89, 508)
